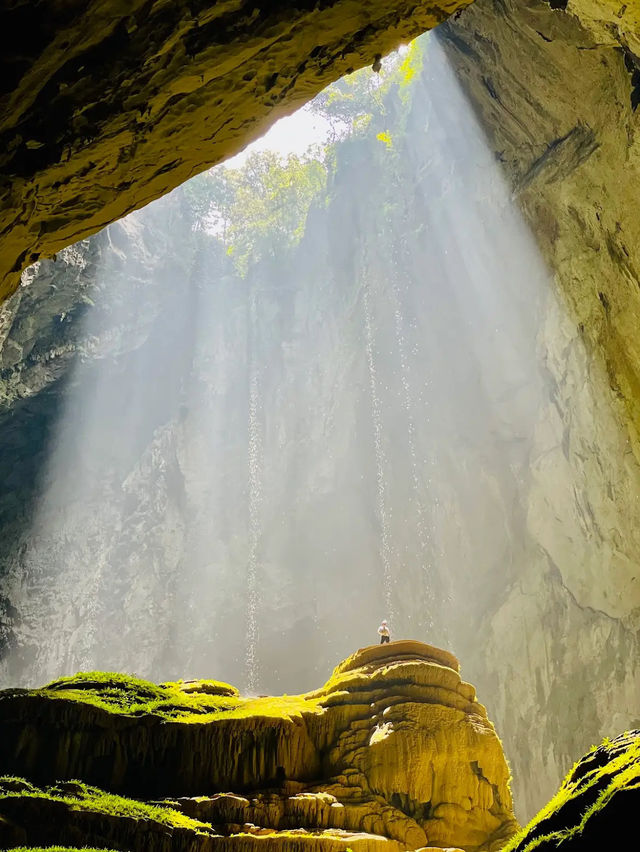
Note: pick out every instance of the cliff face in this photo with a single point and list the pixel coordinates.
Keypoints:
(105, 109)
(324, 388)
(393, 752)
(570, 150)
(555, 92)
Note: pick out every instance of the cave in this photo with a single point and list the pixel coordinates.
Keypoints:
(236, 432)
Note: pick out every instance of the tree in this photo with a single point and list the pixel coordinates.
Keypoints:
(260, 209)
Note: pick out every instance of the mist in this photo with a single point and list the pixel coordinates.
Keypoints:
(252, 465)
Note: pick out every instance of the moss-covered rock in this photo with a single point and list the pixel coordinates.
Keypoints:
(394, 751)
(57, 849)
(596, 803)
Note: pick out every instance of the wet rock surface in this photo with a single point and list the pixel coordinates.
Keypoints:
(394, 752)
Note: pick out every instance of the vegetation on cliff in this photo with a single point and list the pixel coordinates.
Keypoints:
(83, 797)
(200, 82)
(258, 211)
(597, 801)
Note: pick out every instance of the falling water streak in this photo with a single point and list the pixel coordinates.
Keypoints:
(381, 461)
(255, 506)
(86, 660)
(424, 534)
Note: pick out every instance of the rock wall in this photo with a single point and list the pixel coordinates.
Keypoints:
(385, 457)
(570, 150)
(554, 90)
(597, 799)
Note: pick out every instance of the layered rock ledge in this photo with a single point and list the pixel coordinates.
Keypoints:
(393, 753)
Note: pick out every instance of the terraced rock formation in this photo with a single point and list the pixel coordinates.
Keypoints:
(105, 107)
(393, 753)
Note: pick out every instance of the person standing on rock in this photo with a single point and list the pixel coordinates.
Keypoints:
(385, 635)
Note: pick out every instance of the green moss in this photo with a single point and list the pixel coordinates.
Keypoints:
(131, 696)
(206, 701)
(608, 769)
(82, 797)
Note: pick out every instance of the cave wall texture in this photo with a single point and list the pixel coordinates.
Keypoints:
(556, 92)
(536, 525)
(105, 107)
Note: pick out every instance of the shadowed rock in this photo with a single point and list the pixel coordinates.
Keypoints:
(597, 801)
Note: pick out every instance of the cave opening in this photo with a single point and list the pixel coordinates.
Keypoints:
(328, 382)
(300, 393)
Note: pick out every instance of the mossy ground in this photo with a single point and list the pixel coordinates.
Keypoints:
(587, 790)
(82, 797)
(130, 696)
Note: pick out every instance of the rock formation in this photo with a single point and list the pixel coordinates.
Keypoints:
(556, 90)
(394, 752)
(596, 802)
(105, 108)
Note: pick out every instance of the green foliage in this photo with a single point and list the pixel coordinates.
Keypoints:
(131, 696)
(410, 67)
(354, 103)
(87, 798)
(385, 137)
(349, 103)
(259, 210)
(126, 695)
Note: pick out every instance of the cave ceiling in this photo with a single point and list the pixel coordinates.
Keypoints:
(105, 106)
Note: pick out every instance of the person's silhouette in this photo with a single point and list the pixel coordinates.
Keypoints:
(384, 633)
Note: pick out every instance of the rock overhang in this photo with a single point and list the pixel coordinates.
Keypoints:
(105, 108)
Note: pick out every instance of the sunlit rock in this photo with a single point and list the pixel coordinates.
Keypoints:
(394, 752)
(525, 475)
